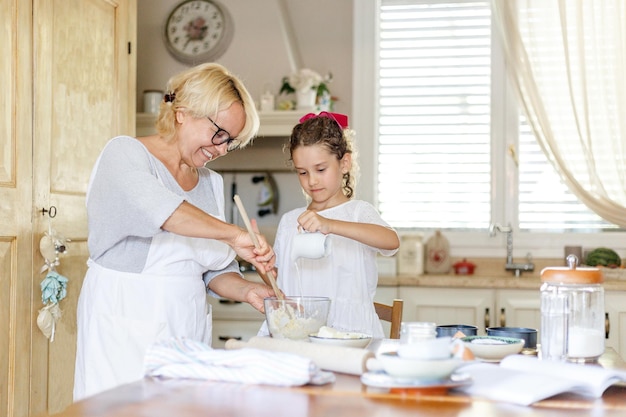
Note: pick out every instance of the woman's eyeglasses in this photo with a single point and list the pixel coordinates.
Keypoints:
(221, 137)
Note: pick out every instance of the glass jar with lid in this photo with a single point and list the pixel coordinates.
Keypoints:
(572, 313)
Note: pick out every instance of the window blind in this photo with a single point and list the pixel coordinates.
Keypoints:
(435, 169)
(434, 164)
(545, 203)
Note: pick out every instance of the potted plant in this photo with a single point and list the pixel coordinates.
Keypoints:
(310, 89)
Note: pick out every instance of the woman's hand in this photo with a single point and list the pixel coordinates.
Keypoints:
(263, 257)
(256, 294)
(232, 286)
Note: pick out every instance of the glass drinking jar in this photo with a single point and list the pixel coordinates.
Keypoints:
(572, 313)
(417, 331)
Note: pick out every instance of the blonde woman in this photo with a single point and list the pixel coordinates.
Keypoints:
(157, 236)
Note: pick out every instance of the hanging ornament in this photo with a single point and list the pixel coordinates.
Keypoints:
(54, 285)
(53, 288)
(47, 318)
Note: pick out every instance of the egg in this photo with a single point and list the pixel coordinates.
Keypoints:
(460, 351)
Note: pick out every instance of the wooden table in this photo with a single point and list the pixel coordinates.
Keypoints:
(346, 397)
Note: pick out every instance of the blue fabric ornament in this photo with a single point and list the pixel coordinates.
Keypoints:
(53, 287)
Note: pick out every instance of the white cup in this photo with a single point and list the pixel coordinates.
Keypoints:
(310, 245)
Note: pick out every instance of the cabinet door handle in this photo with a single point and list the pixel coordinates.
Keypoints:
(502, 317)
(227, 301)
(225, 338)
(607, 325)
(486, 318)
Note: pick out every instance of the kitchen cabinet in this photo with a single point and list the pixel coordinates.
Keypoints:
(474, 306)
(485, 307)
(480, 307)
(615, 307)
(518, 308)
(273, 123)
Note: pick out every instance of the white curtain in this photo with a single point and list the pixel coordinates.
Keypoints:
(567, 59)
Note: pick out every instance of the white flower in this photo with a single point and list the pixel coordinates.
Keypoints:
(305, 79)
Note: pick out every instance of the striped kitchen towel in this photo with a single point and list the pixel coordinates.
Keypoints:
(186, 358)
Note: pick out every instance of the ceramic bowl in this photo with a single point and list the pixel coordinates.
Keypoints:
(405, 368)
(444, 330)
(527, 334)
(296, 317)
(492, 348)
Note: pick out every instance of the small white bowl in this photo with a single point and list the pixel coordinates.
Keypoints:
(358, 340)
(493, 348)
(405, 368)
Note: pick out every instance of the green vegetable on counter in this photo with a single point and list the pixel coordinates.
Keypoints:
(603, 257)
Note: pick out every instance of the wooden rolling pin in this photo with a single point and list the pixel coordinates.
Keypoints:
(347, 360)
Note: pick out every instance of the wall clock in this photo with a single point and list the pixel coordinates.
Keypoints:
(198, 31)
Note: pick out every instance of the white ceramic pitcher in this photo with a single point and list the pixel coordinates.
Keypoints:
(310, 245)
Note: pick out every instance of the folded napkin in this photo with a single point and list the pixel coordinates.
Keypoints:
(186, 358)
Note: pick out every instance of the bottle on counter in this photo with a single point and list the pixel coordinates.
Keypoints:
(411, 255)
(152, 100)
(438, 254)
(572, 313)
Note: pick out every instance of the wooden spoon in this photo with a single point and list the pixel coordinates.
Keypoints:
(246, 220)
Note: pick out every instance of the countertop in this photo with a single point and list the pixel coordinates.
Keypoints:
(346, 397)
(490, 273)
(528, 282)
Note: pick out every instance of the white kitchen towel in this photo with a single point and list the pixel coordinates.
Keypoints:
(185, 358)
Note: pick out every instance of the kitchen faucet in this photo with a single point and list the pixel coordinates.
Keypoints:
(517, 269)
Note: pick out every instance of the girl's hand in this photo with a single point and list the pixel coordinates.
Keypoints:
(310, 221)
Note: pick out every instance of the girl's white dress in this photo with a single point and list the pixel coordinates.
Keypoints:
(348, 275)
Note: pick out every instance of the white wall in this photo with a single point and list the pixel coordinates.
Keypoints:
(322, 32)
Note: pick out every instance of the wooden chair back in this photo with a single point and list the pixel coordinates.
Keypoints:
(391, 313)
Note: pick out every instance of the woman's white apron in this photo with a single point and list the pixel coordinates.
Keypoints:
(121, 314)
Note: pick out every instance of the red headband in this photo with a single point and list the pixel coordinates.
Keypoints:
(341, 119)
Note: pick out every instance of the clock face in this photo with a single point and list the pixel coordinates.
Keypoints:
(197, 31)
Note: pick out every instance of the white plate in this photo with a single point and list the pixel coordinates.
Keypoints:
(361, 341)
(493, 348)
(384, 380)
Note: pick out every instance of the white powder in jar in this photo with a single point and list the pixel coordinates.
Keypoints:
(584, 343)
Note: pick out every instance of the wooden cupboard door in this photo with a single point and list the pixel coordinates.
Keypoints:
(16, 285)
(449, 306)
(615, 307)
(519, 308)
(84, 94)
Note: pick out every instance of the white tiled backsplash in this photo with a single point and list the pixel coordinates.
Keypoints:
(289, 197)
